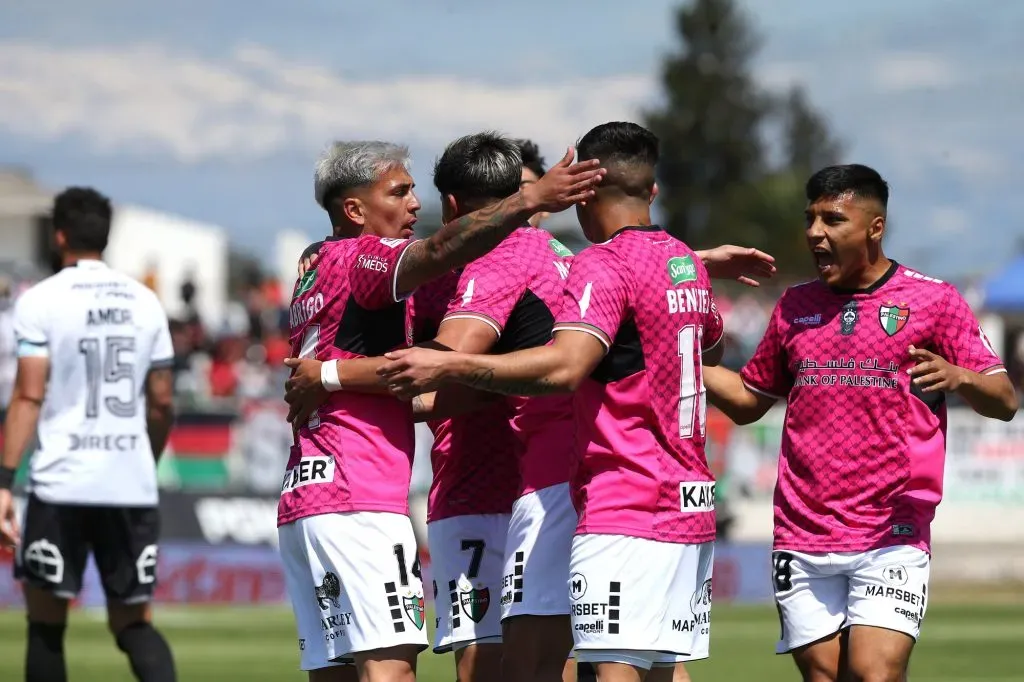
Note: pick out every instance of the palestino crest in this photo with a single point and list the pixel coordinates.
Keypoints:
(474, 602)
(893, 318)
(414, 609)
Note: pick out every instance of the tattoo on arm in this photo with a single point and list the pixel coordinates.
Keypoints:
(484, 380)
(418, 405)
(460, 241)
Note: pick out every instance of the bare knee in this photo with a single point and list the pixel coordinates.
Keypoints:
(478, 662)
(340, 673)
(392, 664)
(821, 661)
(541, 645)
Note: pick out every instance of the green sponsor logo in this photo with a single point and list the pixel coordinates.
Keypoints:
(559, 248)
(305, 284)
(681, 269)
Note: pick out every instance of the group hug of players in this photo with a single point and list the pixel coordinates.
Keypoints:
(571, 518)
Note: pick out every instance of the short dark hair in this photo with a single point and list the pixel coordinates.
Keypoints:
(628, 151)
(532, 159)
(486, 165)
(84, 216)
(862, 181)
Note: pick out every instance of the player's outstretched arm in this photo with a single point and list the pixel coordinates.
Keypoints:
(740, 263)
(990, 394)
(727, 392)
(557, 368)
(471, 236)
(159, 408)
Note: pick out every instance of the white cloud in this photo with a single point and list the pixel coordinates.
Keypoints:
(256, 103)
(949, 220)
(895, 72)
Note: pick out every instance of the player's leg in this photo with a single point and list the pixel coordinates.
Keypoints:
(124, 542)
(467, 562)
(50, 562)
(370, 584)
(811, 597)
(534, 601)
(887, 602)
(569, 671)
(316, 604)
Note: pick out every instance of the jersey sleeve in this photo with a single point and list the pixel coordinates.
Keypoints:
(767, 372)
(714, 326)
(30, 327)
(488, 290)
(597, 296)
(373, 275)
(959, 339)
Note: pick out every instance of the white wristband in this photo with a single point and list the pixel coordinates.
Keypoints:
(329, 376)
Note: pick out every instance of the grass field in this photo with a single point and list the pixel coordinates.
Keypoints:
(960, 643)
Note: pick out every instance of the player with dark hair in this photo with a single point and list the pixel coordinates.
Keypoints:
(864, 357)
(533, 170)
(347, 482)
(636, 322)
(104, 338)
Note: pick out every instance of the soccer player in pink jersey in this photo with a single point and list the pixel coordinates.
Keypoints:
(346, 541)
(637, 321)
(864, 357)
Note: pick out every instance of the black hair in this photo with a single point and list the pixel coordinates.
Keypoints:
(628, 151)
(862, 181)
(84, 216)
(531, 157)
(486, 165)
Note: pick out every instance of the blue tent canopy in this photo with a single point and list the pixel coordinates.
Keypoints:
(1005, 290)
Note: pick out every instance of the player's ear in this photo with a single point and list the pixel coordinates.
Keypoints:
(877, 229)
(59, 240)
(354, 210)
(654, 193)
(449, 208)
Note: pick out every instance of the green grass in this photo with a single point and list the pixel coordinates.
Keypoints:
(960, 643)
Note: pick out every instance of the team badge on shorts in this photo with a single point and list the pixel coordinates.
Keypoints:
(328, 591)
(893, 317)
(414, 609)
(474, 601)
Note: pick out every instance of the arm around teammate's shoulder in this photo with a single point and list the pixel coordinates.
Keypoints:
(471, 236)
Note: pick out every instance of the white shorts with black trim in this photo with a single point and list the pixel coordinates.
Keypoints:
(638, 601)
(467, 560)
(354, 582)
(540, 534)
(819, 594)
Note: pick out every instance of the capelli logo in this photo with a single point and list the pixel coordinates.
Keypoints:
(808, 319)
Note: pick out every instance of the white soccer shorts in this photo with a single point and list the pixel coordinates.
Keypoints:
(819, 594)
(467, 560)
(354, 582)
(641, 602)
(537, 554)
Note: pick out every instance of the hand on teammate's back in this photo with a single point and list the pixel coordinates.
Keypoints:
(304, 390)
(932, 373)
(306, 264)
(565, 185)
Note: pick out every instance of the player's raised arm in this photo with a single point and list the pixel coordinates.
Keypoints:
(469, 237)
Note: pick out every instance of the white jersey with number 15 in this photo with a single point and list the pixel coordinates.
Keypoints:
(102, 332)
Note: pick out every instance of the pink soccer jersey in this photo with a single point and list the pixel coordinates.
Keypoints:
(474, 457)
(517, 289)
(355, 454)
(863, 450)
(640, 416)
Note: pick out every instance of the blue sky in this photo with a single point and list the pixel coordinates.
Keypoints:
(216, 110)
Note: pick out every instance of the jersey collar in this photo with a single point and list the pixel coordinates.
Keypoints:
(878, 283)
(89, 264)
